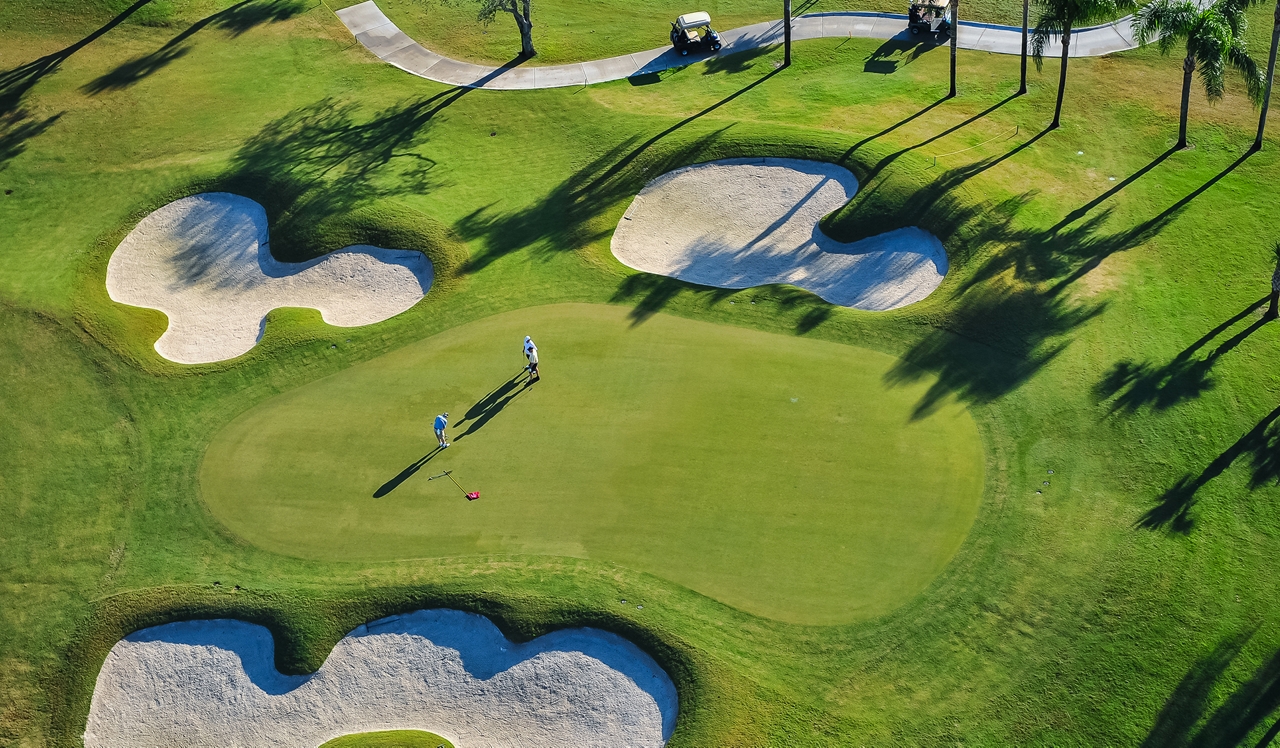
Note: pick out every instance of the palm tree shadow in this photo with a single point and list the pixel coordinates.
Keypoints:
(1138, 384)
(235, 20)
(405, 474)
(1185, 720)
(1261, 445)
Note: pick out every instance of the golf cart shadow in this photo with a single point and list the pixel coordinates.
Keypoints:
(900, 50)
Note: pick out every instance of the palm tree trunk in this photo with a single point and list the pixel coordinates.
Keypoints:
(1188, 67)
(786, 32)
(1026, 13)
(1266, 97)
(955, 32)
(1062, 76)
(1274, 311)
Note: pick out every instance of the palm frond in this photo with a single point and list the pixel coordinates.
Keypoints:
(1167, 21)
(1255, 81)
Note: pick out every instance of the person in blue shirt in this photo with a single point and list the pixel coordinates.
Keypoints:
(442, 421)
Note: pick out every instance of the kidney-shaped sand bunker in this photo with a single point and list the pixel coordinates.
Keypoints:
(214, 683)
(739, 223)
(204, 261)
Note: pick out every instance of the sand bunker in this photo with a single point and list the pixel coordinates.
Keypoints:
(204, 261)
(739, 223)
(214, 683)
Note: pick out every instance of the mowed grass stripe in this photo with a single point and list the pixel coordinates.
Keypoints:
(777, 474)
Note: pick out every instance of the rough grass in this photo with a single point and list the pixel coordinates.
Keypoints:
(1105, 330)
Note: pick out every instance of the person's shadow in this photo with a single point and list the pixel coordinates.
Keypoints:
(405, 474)
(492, 404)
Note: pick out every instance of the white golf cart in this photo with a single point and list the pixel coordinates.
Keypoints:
(692, 31)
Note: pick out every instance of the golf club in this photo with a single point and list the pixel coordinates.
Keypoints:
(471, 495)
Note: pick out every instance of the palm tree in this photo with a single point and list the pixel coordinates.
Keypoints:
(1214, 35)
(1057, 19)
(1026, 14)
(955, 34)
(1271, 74)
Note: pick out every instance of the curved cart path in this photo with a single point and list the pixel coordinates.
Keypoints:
(377, 33)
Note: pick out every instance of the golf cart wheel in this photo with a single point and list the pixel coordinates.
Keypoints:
(684, 51)
(915, 30)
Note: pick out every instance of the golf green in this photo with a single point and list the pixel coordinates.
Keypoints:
(777, 474)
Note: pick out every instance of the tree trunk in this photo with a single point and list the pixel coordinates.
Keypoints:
(955, 33)
(1062, 77)
(1188, 67)
(786, 32)
(1026, 13)
(1271, 74)
(1274, 311)
(524, 21)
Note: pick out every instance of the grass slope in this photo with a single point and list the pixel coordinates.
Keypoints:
(778, 475)
(1105, 330)
(390, 739)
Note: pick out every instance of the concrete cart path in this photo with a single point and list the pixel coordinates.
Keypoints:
(376, 32)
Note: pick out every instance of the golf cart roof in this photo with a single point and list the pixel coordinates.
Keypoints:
(693, 20)
(930, 4)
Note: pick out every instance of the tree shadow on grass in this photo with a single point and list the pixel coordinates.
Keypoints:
(314, 169)
(1138, 384)
(566, 219)
(15, 83)
(1185, 720)
(235, 20)
(1260, 445)
(1025, 321)
(17, 126)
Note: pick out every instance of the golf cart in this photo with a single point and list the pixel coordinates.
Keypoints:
(930, 17)
(685, 34)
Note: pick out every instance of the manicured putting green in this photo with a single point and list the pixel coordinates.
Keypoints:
(390, 739)
(777, 474)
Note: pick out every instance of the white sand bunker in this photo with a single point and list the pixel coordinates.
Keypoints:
(214, 683)
(204, 261)
(739, 223)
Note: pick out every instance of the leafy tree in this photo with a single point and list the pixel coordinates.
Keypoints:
(1214, 36)
(1271, 74)
(1057, 19)
(520, 10)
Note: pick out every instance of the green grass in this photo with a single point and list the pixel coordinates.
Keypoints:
(390, 739)
(781, 476)
(1100, 329)
(577, 30)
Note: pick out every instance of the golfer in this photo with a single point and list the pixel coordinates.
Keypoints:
(528, 346)
(533, 366)
(442, 421)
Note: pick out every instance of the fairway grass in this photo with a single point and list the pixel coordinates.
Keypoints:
(776, 474)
